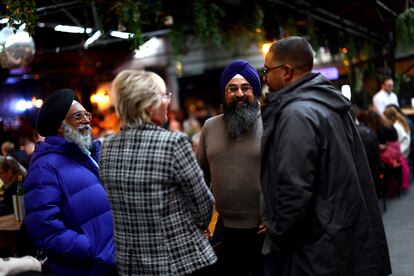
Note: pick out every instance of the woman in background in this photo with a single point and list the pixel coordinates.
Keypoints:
(160, 202)
(402, 127)
(10, 170)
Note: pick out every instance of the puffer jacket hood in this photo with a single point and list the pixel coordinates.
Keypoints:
(59, 145)
(309, 88)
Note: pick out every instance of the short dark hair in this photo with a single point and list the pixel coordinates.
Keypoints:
(384, 79)
(295, 51)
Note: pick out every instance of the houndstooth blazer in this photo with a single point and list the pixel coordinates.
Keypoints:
(160, 202)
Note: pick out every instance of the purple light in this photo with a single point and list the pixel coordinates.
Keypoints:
(331, 73)
(18, 71)
(12, 80)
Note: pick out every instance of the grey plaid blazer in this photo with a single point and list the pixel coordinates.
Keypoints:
(160, 202)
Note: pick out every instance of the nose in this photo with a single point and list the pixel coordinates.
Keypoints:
(239, 93)
(85, 119)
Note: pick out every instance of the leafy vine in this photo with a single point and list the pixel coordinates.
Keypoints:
(206, 21)
(405, 29)
(20, 12)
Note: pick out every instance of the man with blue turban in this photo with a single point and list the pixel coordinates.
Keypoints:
(229, 154)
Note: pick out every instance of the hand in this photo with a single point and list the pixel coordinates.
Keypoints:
(262, 229)
(208, 234)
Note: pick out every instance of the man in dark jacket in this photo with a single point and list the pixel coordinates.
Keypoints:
(67, 211)
(316, 182)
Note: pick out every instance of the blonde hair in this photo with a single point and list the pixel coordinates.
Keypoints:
(393, 115)
(7, 148)
(10, 163)
(133, 92)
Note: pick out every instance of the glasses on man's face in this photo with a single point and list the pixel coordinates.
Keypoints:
(167, 96)
(78, 116)
(268, 69)
(234, 89)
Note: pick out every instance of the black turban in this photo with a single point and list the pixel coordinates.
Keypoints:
(54, 111)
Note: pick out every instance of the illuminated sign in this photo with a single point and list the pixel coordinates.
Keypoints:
(331, 73)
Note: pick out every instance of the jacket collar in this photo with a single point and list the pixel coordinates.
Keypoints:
(61, 146)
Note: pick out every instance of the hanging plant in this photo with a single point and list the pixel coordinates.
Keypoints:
(291, 28)
(314, 38)
(21, 12)
(405, 30)
(241, 31)
(352, 49)
(176, 36)
(129, 16)
(206, 21)
(367, 50)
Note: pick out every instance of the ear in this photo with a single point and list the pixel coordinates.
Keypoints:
(60, 131)
(288, 75)
(149, 111)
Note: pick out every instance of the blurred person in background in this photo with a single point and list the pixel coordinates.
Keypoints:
(229, 154)
(404, 139)
(390, 152)
(160, 202)
(10, 169)
(385, 96)
(317, 187)
(7, 148)
(68, 215)
(402, 127)
(411, 124)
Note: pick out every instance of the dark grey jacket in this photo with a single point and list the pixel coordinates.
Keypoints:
(316, 182)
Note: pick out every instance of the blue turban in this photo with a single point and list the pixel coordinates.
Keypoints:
(244, 69)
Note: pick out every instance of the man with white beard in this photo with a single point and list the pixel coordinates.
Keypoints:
(67, 211)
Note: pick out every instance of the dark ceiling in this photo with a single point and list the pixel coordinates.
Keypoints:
(61, 56)
(366, 16)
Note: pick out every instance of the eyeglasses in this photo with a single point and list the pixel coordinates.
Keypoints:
(234, 89)
(167, 96)
(78, 116)
(267, 70)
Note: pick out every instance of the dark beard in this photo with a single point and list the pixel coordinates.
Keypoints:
(240, 120)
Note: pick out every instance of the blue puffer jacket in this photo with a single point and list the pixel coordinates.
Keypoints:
(67, 212)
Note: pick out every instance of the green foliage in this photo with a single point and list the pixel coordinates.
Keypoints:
(21, 11)
(405, 30)
(176, 36)
(397, 83)
(129, 15)
(314, 38)
(246, 29)
(206, 21)
(291, 29)
(367, 50)
(400, 79)
(351, 45)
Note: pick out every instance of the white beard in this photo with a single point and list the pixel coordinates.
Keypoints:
(76, 137)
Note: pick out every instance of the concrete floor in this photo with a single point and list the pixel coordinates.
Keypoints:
(399, 229)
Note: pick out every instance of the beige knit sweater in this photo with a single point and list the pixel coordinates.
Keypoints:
(232, 166)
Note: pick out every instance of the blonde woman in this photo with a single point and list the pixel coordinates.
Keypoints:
(402, 127)
(160, 202)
